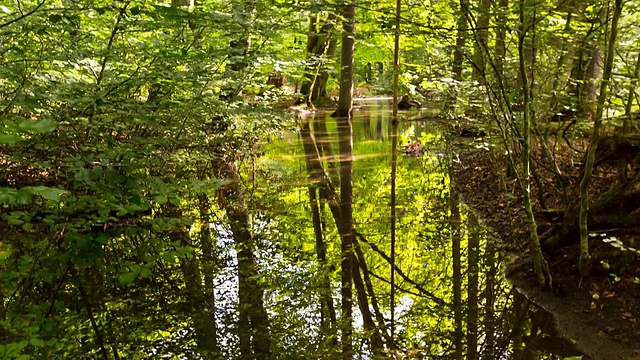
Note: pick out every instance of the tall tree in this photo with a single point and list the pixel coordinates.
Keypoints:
(540, 265)
(345, 223)
(345, 101)
(320, 47)
(473, 267)
(461, 39)
(456, 238)
(253, 321)
(481, 44)
(585, 257)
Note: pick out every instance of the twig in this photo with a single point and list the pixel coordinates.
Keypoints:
(23, 16)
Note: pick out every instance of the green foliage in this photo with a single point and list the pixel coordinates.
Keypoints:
(114, 136)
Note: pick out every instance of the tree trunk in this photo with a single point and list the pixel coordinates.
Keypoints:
(367, 318)
(394, 162)
(539, 263)
(345, 102)
(328, 312)
(489, 301)
(501, 45)
(345, 133)
(243, 12)
(461, 39)
(372, 295)
(320, 46)
(457, 274)
(253, 322)
(585, 257)
(591, 82)
(472, 291)
(482, 41)
(562, 65)
(200, 305)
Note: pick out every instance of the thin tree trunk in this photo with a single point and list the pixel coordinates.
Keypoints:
(345, 132)
(472, 291)
(628, 120)
(345, 102)
(253, 321)
(561, 65)
(210, 340)
(312, 40)
(539, 263)
(592, 79)
(96, 329)
(457, 274)
(320, 88)
(461, 40)
(320, 45)
(501, 46)
(394, 158)
(200, 306)
(367, 318)
(482, 41)
(327, 308)
(585, 257)
(489, 315)
(372, 295)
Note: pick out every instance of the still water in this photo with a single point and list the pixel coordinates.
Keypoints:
(452, 300)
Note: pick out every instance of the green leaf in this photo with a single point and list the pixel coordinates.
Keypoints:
(37, 342)
(37, 126)
(13, 350)
(145, 272)
(54, 18)
(127, 278)
(9, 138)
(5, 252)
(161, 199)
(49, 193)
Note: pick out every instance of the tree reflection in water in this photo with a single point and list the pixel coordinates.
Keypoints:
(453, 301)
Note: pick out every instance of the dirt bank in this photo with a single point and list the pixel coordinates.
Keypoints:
(598, 313)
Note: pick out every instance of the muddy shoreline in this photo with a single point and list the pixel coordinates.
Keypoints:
(595, 326)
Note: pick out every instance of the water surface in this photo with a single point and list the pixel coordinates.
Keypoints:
(452, 299)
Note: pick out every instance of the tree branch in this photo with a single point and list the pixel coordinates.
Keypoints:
(24, 15)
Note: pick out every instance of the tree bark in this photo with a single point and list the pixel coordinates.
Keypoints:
(585, 257)
(199, 304)
(367, 318)
(472, 291)
(461, 39)
(253, 322)
(489, 301)
(539, 263)
(345, 102)
(372, 295)
(345, 133)
(482, 41)
(320, 45)
(501, 45)
(457, 274)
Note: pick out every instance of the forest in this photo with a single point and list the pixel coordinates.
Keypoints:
(319, 179)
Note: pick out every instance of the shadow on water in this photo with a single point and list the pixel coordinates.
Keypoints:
(452, 299)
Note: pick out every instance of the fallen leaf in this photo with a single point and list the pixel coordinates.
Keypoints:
(627, 315)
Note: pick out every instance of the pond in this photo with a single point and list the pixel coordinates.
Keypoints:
(452, 300)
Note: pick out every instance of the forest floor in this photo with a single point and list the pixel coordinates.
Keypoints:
(600, 313)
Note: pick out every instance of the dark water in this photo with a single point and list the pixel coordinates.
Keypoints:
(452, 299)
